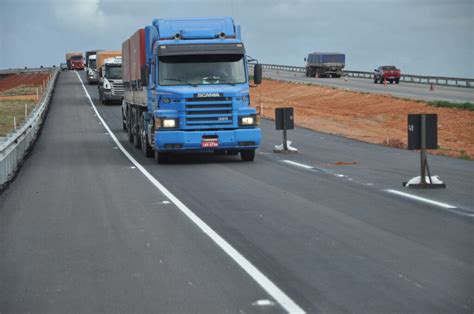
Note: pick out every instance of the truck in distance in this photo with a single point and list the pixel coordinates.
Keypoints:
(325, 64)
(187, 89)
(91, 70)
(110, 86)
(75, 61)
(386, 72)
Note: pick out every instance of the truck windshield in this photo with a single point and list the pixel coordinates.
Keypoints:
(114, 72)
(92, 63)
(76, 58)
(201, 69)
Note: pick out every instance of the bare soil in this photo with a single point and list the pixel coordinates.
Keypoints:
(367, 117)
(16, 91)
(26, 79)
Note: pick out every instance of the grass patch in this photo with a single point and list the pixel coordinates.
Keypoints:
(19, 91)
(10, 109)
(447, 104)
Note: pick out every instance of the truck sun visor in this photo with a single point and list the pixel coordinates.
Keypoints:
(201, 49)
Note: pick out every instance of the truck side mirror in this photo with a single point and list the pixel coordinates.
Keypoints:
(257, 74)
(304, 59)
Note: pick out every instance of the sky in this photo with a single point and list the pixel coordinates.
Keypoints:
(425, 37)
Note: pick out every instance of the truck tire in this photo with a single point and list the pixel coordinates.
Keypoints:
(129, 124)
(247, 155)
(397, 81)
(161, 158)
(146, 148)
(375, 80)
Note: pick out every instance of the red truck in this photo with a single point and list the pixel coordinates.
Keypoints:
(387, 72)
(75, 61)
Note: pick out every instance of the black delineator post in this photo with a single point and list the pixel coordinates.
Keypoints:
(422, 135)
(284, 120)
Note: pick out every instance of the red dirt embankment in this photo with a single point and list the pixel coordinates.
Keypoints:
(15, 80)
(367, 117)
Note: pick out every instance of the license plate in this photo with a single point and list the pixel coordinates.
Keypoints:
(210, 143)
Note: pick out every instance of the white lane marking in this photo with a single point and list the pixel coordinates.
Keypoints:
(267, 285)
(263, 303)
(297, 164)
(421, 199)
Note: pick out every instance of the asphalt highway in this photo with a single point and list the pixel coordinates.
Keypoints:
(402, 90)
(85, 228)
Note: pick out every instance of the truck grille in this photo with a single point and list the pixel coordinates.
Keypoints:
(209, 113)
(117, 88)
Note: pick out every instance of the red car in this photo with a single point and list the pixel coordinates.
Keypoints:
(387, 72)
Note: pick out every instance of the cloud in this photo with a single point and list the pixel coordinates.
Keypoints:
(423, 37)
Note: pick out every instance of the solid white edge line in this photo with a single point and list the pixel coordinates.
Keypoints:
(297, 164)
(421, 199)
(267, 285)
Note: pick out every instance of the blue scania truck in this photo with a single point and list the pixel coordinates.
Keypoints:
(186, 87)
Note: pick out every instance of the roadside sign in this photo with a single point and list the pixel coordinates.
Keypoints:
(414, 131)
(284, 118)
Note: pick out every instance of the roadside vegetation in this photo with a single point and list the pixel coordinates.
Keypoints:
(10, 109)
(20, 91)
(447, 104)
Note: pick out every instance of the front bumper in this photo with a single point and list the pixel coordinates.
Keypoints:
(239, 139)
(109, 96)
(92, 79)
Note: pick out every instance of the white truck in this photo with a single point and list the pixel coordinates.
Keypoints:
(92, 73)
(110, 81)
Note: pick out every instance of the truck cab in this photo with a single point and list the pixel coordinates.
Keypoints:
(196, 94)
(75, 61)
(92, 73)
(110, 81)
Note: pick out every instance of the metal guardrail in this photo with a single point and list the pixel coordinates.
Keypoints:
(25, 70)
(15, 146)
(420, 79)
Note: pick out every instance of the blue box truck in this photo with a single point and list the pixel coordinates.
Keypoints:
(325, 64)
(187, 89)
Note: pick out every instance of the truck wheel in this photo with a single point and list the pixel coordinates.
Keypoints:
(247, 155)
(161, 158)
(397, 81)
(146, 148)
(391, 81)
(312, 73)
(375, 80)
(129, 127)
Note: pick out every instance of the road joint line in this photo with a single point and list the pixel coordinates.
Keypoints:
(266, 284)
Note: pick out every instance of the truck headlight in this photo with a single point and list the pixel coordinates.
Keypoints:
(247, 120)
(166, 123)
